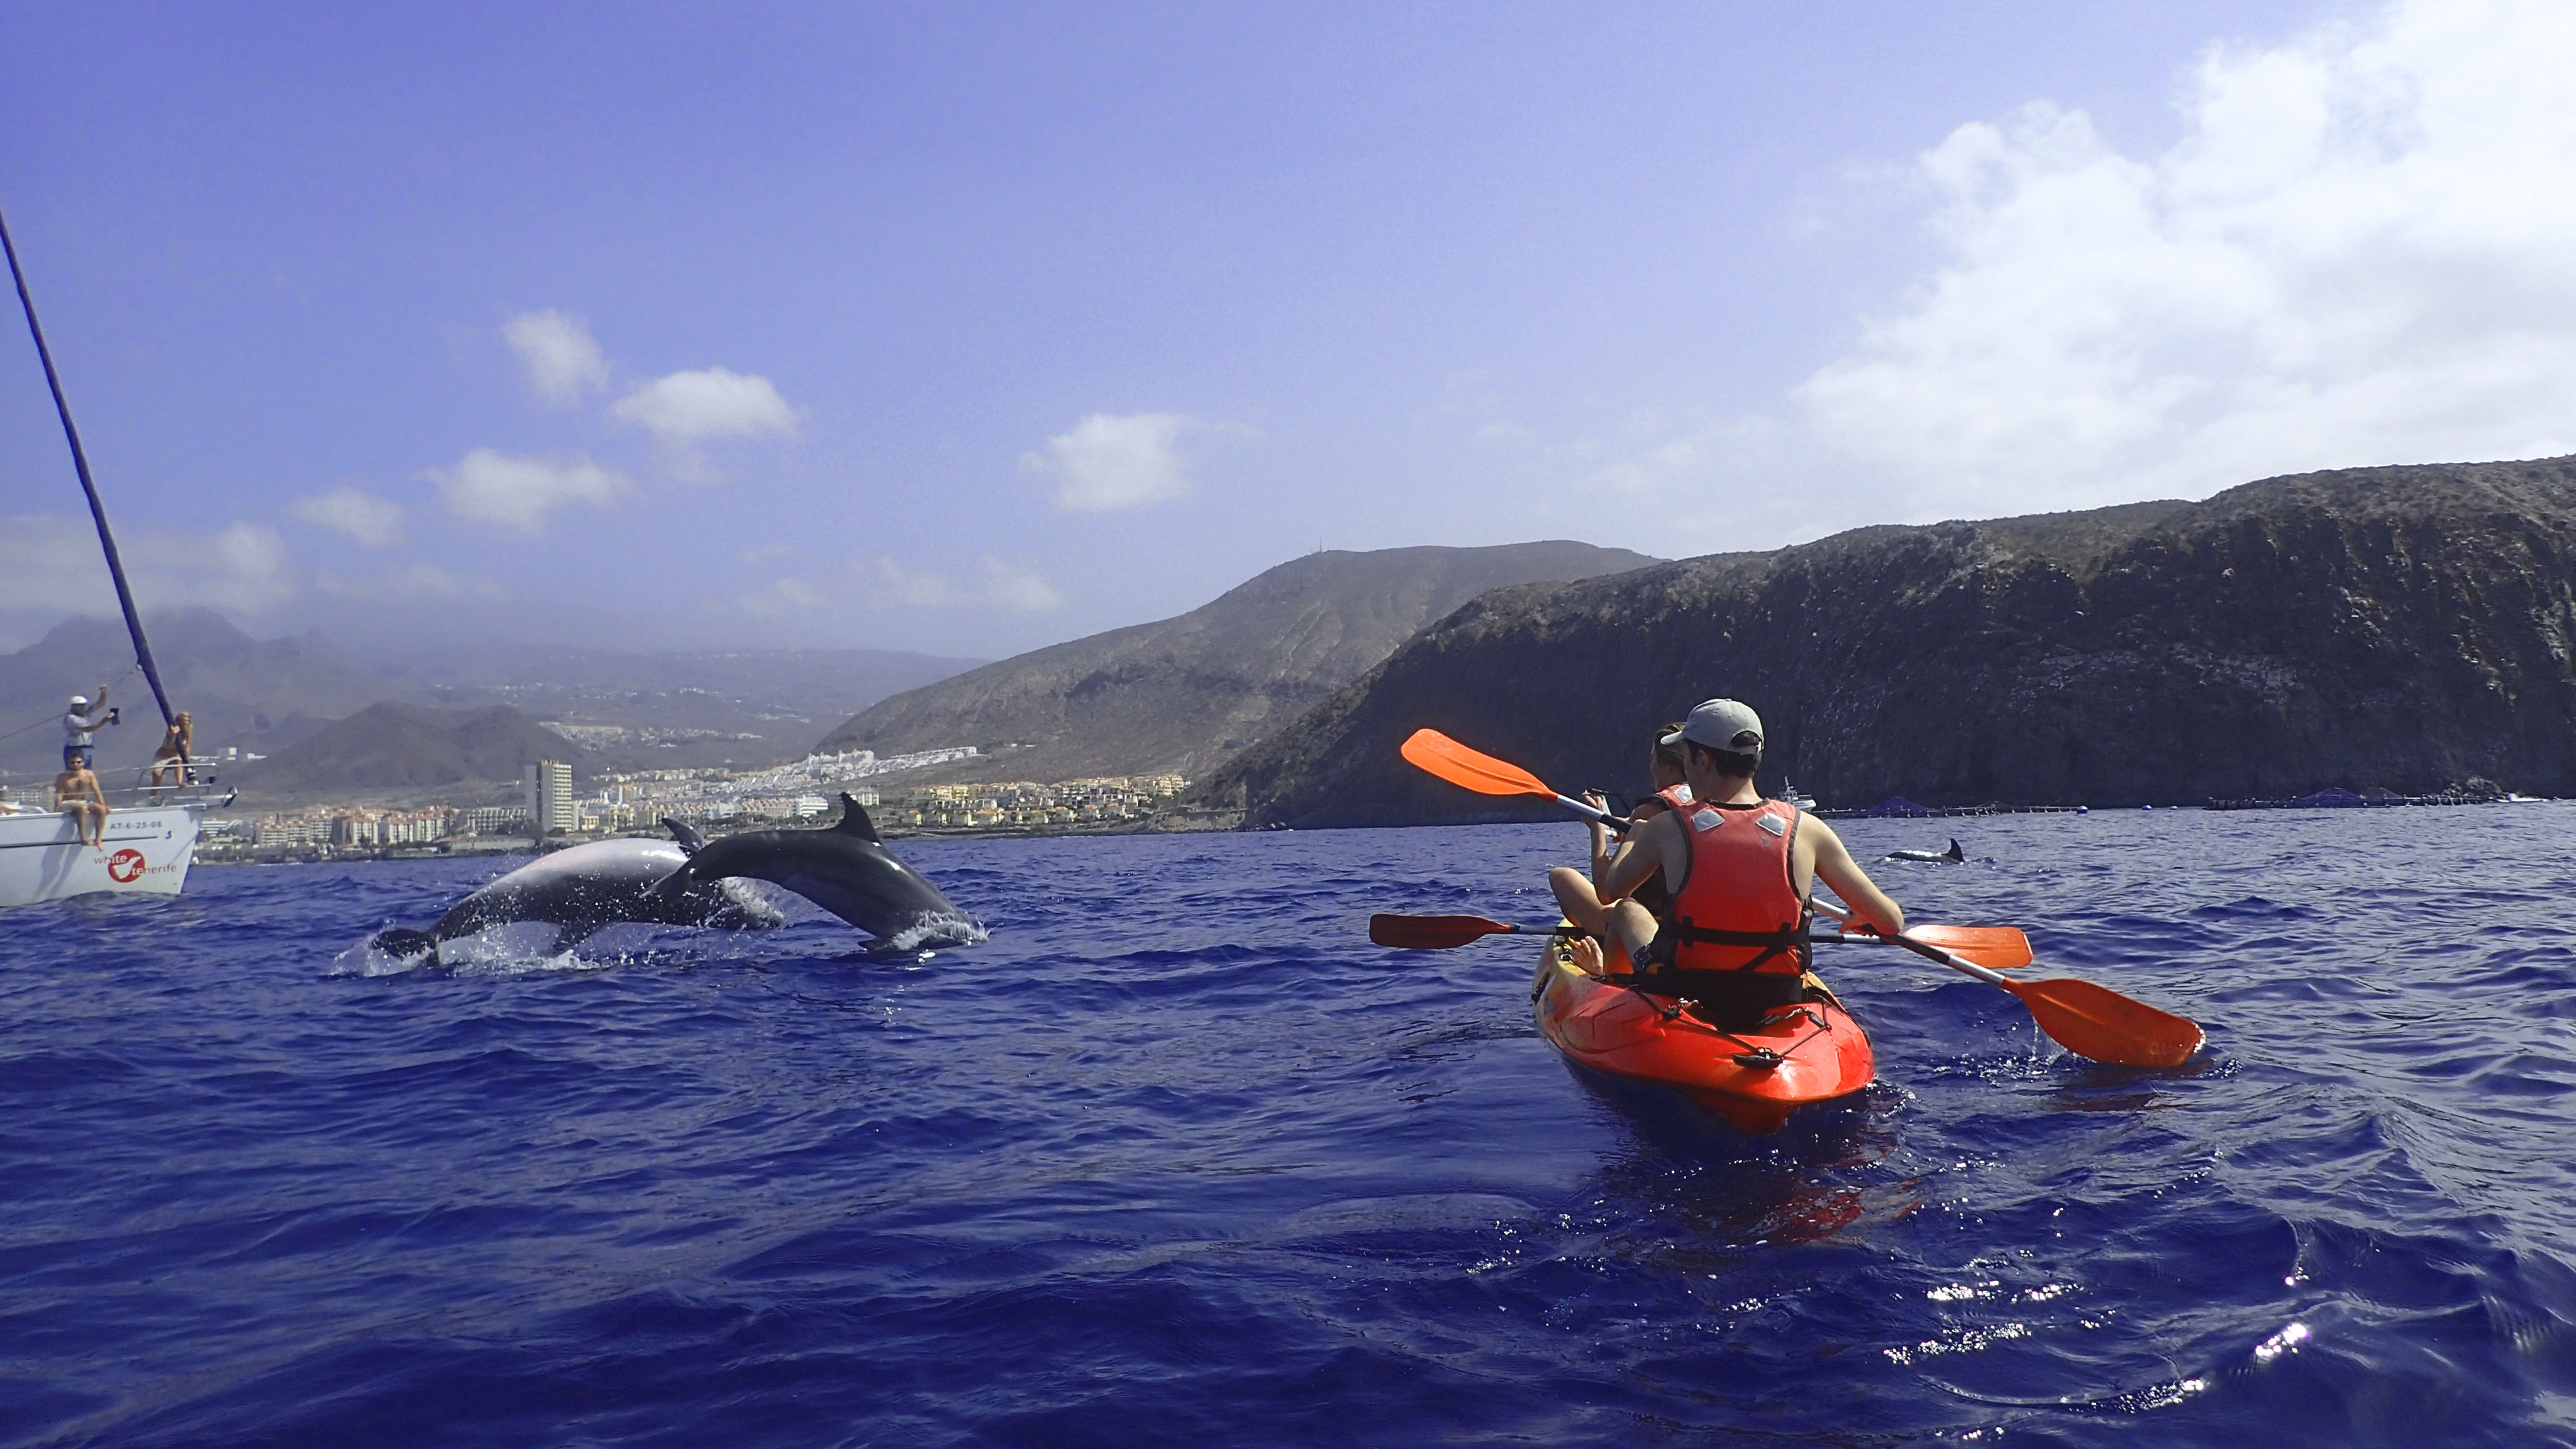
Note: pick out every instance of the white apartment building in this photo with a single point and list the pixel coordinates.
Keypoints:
(547, 785)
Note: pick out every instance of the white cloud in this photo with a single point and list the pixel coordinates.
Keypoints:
(563, 361)
(2362, 250)
(370, 520)
(1110, 462)
(489, 487)
(879, 584)
(55, 569)
(697, 407)
(413, 581)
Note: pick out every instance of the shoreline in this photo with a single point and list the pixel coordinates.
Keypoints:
(477, 845)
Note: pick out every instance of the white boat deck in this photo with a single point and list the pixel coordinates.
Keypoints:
(150, 838)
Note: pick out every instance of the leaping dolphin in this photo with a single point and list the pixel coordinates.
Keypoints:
(1952, 856)
(843, 868)
(587, 887)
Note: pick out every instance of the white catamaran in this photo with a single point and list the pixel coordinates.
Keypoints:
(150, 834)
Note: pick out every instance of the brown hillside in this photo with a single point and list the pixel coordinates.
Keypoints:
(391, 745)
(1185, 693)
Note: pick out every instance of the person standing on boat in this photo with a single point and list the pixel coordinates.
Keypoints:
(1579, 895)
(173, 753)
(78, 722)
(76, 794)
(1741, 869)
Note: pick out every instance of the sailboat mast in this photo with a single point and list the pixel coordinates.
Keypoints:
(80, 462)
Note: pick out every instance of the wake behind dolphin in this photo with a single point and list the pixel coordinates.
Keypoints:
(843, 868)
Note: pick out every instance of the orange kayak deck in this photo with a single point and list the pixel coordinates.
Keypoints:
(1802, 1054)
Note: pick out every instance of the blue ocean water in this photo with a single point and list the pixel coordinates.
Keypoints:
(1179, 1158)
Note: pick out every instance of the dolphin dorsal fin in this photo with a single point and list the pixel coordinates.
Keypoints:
(689, 840)
(1954, 852)
(855, 821)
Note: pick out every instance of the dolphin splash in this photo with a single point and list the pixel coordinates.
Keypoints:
(586, 888)
(843, 868)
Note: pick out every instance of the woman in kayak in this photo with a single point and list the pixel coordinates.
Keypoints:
(1733, 939)
(1577, 895)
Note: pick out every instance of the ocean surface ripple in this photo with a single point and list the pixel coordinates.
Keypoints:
(1177, 1157)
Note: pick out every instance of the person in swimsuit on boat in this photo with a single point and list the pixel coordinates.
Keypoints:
(1578, 895)
(1741, 869)
(76, 794)
(173, 753)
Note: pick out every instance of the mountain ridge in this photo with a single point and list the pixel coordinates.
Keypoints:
(264, 695)
(394, 745)
(1179, 694)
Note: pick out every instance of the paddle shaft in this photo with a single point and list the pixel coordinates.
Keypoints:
(1924, 949)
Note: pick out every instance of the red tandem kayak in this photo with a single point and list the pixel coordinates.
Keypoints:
(1811, 1051)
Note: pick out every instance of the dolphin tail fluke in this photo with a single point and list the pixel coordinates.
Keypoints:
(1954, 852)
(855, 821)
(688, 839)
(403, 943)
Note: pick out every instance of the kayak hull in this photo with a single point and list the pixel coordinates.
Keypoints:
(1803, 1054)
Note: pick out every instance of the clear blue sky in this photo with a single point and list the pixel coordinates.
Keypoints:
(972, 328)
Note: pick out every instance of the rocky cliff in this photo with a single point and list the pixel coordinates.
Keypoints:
(1184, 693)
(2397, 628)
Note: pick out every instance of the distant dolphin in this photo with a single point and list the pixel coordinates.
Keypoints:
(844, 869)
(1952, 856)
(585, 888)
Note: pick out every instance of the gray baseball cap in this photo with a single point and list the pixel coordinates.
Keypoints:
(1721, 724)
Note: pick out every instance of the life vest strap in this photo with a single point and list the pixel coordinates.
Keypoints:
(1787, 940)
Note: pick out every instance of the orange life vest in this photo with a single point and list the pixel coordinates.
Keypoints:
(1738, 910)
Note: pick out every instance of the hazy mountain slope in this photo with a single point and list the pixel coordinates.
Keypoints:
(390, 744)
(261, 695)
(257, 694)
(1171, 695)
(2401, 628)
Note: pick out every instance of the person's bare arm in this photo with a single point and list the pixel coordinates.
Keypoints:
(1648, 847)
(1836, 868)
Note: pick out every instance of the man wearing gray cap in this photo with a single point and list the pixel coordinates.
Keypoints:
(1740, 869)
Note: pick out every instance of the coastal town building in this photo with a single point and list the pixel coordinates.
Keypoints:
(548, 788)
(804, 792)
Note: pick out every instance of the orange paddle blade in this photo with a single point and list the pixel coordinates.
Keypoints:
(1468, 769)
(1433, 933)
(2097, 1022)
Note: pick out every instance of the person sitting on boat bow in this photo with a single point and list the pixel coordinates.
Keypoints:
(1733, 938)
(77, 795)
(1579, 895)
(78, 722)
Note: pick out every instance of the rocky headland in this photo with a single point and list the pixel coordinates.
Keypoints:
(2399, 628)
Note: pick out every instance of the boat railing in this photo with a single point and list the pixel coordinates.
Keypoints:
(190, 790)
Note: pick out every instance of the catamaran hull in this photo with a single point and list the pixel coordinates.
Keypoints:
(146, 853)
